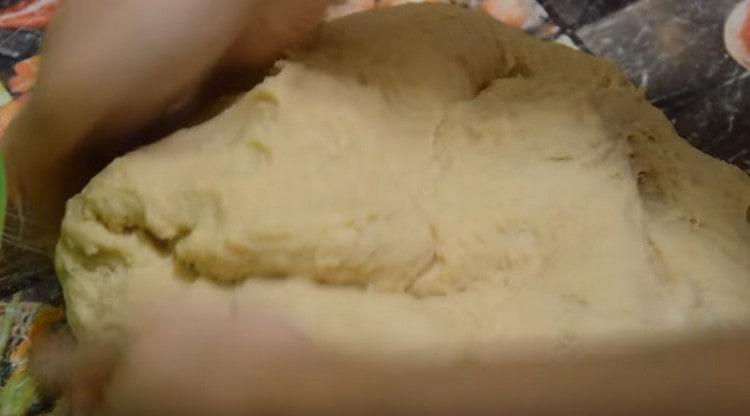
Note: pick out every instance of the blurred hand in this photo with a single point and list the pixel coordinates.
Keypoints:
(112, 67)
(199, 361)
(189, 363)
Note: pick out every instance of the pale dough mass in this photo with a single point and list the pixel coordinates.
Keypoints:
(422, 181)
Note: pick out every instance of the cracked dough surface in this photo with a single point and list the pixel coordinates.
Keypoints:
(422, 181)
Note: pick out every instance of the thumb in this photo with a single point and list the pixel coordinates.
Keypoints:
(79, 372)
(275, 27)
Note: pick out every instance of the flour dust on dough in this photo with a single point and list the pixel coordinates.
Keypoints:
(422, 181)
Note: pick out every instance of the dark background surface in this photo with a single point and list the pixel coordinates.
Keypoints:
(675, 50)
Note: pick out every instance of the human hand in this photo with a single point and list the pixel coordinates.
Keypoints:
(111, 68)
(186, 362)
(193, 361)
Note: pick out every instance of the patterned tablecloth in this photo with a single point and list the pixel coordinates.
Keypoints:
(691, 57)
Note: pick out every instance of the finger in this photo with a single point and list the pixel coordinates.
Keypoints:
(77, 372)
(109, 67)
(137, 52)
(199, 360)
(275, 27)
(52, 360)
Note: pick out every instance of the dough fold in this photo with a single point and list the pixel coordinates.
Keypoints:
(422, 181)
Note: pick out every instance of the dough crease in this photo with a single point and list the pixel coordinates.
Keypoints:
(422, 181)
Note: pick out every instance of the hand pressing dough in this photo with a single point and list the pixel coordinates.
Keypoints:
(422, 181)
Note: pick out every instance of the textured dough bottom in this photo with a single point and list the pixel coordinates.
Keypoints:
(422, 181)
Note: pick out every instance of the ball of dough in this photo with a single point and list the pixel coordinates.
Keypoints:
(421, 181)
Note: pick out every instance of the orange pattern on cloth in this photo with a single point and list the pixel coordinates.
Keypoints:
(32, 320)
(9, 111)
(25, 77)
(29, 14)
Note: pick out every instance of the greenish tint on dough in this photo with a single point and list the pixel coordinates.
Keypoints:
(422, 181)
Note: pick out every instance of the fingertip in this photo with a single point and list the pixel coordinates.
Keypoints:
(51, 360)
(274, 28)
